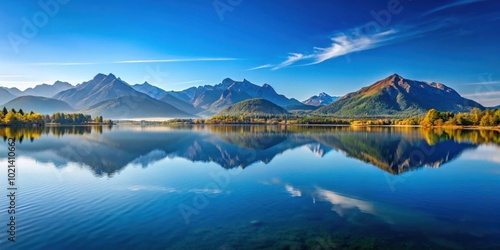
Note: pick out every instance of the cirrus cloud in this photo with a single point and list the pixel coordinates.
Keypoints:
(373, 35)
(451, 5)
(342, 44)
(173, 60)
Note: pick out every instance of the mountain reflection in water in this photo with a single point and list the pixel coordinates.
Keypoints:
(107, 150)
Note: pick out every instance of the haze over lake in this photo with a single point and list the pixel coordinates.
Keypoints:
(248, 187)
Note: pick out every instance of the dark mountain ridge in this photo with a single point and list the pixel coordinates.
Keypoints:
(39, 104)
(253, 107)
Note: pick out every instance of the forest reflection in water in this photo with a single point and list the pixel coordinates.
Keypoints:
(107, 150)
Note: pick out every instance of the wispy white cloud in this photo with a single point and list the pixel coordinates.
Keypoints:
(175, 60)
(482, 83)
(495, 101)
(362, 38)
(292, 58)
(486, 98)
(265, 66)
(178, 60)
(344, 44)
(451, 5)
(479, 94)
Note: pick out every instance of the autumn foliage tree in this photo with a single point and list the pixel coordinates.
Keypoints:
(475, 117)
(13, 117)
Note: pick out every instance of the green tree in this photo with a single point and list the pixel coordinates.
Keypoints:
(496, 116)
(5, 111)
(63, 118)
(56, 117)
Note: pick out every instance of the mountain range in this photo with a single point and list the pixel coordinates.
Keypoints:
(114, 98)
(150, 90)
(397, 96)
(210, 99)
(164, 96)
(44, 90)
(321, 99)
(101, 88)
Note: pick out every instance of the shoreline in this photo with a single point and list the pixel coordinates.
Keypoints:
(84, 124)
(53, 125)
(495, 128)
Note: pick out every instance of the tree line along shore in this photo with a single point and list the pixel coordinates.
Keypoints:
(15, 117)
(433, 118)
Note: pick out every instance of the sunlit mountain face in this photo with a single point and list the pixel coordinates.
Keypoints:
(394, 150)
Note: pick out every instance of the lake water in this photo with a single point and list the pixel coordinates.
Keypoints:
(253, 187)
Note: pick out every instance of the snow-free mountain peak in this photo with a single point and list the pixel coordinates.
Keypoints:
(391, 96)
(46, 90)
(102, 87)
(148, 89)
(397, 96)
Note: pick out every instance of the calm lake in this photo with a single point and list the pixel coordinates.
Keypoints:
(253, 187)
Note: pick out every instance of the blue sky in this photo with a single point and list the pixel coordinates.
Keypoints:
(300, 47)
